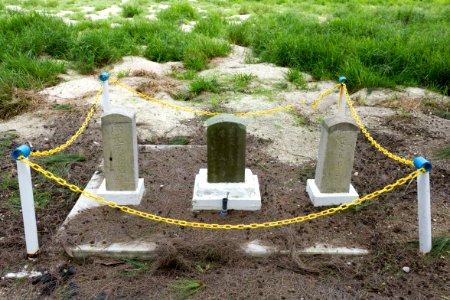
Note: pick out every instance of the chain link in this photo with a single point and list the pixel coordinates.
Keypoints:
(369, 137)
(208, 113)
(76, 135)
(183, 223)
(323, 95)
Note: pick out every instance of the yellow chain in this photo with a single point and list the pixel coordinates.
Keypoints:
(324, 94)
(208, 113)
(76, 135)
(369, 137)
(152, 217)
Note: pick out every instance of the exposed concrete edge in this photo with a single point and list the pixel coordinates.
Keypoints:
(148, 250)
(147, 148)
(141, 250)
(83, 202)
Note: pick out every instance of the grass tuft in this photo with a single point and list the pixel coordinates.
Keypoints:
(130, 10)
(62, 159)
(442, 153)
(185, 288)
(202, 84)
(179, 141)
(294, 76)
(178, 13)
(62, 107)
(440, 246)
(6, 140)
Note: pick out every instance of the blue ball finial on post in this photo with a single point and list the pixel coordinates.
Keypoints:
(421, 162)
(343, 79)
(23, 150)
(103, 76)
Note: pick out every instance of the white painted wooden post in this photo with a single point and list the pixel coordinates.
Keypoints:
(424, 205)
(27, 201)
(105, 93)
(342, 101)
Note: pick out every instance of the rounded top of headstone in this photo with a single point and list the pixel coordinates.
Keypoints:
(117, 111)
(339, 120)
(225, 119)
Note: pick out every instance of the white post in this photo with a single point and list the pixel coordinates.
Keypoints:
(105, 95)
(27, 203)
(423, 195)
(342, 101)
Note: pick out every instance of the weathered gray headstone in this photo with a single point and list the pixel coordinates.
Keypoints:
(226, 149)
(120, 150)
(336, 154)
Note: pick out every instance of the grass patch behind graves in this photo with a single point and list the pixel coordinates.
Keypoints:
(377, 47)
(131, 10)
(178, 12)
(372, 45)
(36, 48)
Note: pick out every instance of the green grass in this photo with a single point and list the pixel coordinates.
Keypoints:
(241, 81)
(9, 184)
(178, 12)
(377, 47)
(211, 26)
(185, 288)
(31, 43)
(41, 200)
(135, 268)
(62, 107)
(167, 43)
(185, 75)
(6, 140)
(179, 141)
(123, 73)
(131, 10)
(301, 121)
(294, 76)
(216, 102)
(62, 159)
(202, 84)
(442, 153)
(438, 108)
(59, 164)
(440, 246)
(378, 44)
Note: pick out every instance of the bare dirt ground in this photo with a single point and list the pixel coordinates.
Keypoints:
(282, 155)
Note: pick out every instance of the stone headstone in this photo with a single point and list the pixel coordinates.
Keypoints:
(120, 150)
(226, 136)
(336, 154)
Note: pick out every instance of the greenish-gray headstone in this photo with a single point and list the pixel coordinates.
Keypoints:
(120, 150)
(336, 154)
(226, 149)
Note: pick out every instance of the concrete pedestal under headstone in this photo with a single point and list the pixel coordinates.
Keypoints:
(122, 183)
(331, 185)
(226, 175)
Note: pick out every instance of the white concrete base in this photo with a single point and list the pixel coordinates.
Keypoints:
(135, 249)
(242, 196)
(329, 199)
(148, 250)
(123, 197)
(83, 202)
